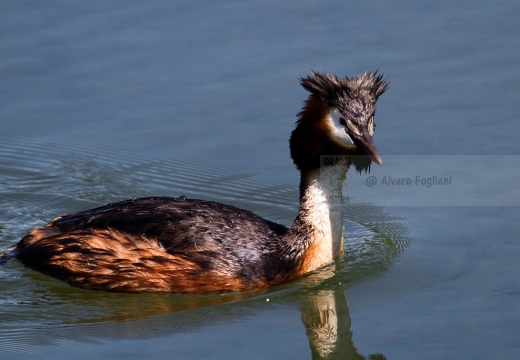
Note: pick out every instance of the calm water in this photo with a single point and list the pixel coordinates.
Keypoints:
(102, 101)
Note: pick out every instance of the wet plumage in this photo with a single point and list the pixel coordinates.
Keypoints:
(186, 245)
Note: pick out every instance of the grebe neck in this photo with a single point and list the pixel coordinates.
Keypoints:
(319, 222)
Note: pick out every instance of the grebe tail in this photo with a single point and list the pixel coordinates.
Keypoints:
(161, 244)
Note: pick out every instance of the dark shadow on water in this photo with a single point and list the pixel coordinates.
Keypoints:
(114, 317)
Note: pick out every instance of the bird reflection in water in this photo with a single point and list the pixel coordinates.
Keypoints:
(326, 317)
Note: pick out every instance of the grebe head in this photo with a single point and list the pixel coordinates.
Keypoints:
(338, 119)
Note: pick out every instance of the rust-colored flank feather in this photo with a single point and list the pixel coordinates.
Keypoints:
(161, 244)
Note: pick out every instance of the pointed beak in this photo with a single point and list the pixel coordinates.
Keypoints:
(366, 144)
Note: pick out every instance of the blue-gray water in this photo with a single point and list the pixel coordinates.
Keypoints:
(102, 101)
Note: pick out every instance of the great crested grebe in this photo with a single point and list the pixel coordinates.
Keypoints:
(184, 245)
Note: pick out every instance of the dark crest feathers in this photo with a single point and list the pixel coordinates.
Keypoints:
(330, 87)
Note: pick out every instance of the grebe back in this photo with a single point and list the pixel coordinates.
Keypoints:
(184, 245)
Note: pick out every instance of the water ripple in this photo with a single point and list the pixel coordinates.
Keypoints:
(38, 185)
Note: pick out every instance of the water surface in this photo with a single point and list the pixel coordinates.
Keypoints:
(106, 101)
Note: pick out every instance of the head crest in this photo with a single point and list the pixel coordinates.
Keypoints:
(332, 88)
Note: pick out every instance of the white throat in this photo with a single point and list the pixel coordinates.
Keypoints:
(323, 208)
